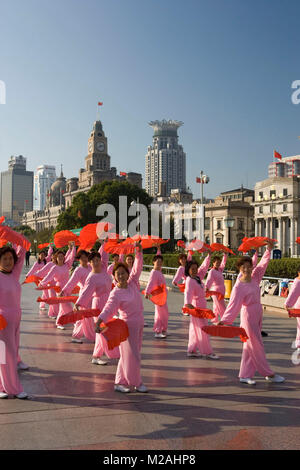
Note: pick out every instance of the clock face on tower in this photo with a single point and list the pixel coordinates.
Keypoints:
(100, 146)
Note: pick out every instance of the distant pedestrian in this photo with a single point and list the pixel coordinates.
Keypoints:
(27, 257)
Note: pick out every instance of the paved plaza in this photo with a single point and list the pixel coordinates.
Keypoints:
(192, 403)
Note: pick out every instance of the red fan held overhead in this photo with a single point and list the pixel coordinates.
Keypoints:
(220, 247)
(115, 332)
(148, 242)
(2, 219)
(199, 312)
(294, 312)
(298, 240)
(3, 322)
(3, 242)
(64, 237)
(58, 300)
(103, 229)
(16, 238)
(254, 243)
(43, 245)
(88, 237)
(158, 295)
(226, 331)
(73, 317)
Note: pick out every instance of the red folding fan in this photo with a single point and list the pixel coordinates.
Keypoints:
(3, 322)
(58, 300)
(73, 317)
(226, 331)
(10, 235)
(32, 278)
(220, 247)
(64, 237)
(199, 312)
(115, 332)
(294, 312)
(158, 295)
(209, 293)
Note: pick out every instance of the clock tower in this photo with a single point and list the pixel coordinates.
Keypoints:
(97, 158)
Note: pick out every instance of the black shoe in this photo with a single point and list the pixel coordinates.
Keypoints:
(263, 333)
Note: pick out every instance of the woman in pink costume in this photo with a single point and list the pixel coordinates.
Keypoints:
(53, 309)
(126, 298)
(11, 263)
(245, 297)
(116, 259)
(96, 289)
(161, 315)
(60, 275)
(43, 259)
(293, 301)
(194, 296)
(180, 273)
(85, 327)
(215, 282)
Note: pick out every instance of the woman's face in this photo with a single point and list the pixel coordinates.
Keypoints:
(121, 275)
(42, 256)
(60, 259)
(158, 264)
(96, 263)
(116, 259)
(129, 261)
(7, 262)
(216, 263)
(193, 270)
(182, 261)
(246, 269)
(83, 260)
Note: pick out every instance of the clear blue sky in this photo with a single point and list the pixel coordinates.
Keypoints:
(223, 67)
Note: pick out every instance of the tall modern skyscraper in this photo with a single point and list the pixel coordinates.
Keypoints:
(44, 177)
(165, 159)
(16, 189)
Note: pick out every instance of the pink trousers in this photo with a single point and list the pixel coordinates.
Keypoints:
(219, 308)
(161, 317)
(53, 309)
(85, 327)
(9, 380)
(129, 366)
(198, 340)
(63, 308)
(253, 356)
(298, 333)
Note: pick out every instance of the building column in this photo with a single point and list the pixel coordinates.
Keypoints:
(292, 236)
(256, 227)
(280, 224)
(268, 225)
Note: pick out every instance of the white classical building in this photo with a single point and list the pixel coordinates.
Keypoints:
(165, 162)
(277, 211)
(44, 177)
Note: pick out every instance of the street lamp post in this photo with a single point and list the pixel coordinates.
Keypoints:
(229, 223)
(204, 179)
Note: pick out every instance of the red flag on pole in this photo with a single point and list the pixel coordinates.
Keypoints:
(122, 173)
(198, 180)
(99, 103)
(277, 155)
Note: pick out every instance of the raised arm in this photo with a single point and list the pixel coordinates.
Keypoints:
(104, 257)
(70, 256)
(204, 267)
(43, 271)
(255, 259)
(260, 269)
(21, 252)
(137, 267)
(209, 279)
(294, 294)
(223, 264)
(50, 253)
(190, 255)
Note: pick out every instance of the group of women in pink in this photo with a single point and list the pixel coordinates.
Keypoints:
(115, 291)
